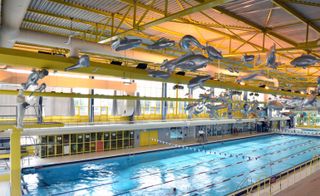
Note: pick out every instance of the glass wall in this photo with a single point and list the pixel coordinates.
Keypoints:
(70, 144)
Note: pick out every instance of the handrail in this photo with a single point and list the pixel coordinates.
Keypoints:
(252, 186)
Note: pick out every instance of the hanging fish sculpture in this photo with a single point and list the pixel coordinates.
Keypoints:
(34, 77)
(125, 44)
(304, 61)
(289, 114)
(41, 88)
(162, 43)
(84, 61)
(187, 41)
(309, 100)
(212, 110)
(171, 65)
(275, 65)
(213, 53)
(158, 74)
(271, 56)
(258, 61)
(248, 76)
(276, 105)
(187, 62)
(193, 62)
(197, 110)
(247, 58)
(198, 82)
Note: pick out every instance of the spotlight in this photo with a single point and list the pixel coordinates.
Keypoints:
(181, 73)
(116, 63)
(142, 66)
(242, 83)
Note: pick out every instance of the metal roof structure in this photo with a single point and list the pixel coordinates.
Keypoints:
(235, 27)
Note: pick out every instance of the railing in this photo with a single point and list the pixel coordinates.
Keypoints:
(278, 182)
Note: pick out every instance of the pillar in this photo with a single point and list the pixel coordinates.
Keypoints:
(91, 104)
(164, 104)
(15, 167)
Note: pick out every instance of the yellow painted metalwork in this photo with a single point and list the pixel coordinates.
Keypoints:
(20, 58)
(148, 138)
(193, 9)
(4, 177)
(77, 95)
(15, 167)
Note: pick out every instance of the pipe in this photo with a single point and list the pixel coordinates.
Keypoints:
(12, 17)
(76, 45)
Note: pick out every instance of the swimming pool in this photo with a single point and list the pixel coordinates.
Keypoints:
(213, 169)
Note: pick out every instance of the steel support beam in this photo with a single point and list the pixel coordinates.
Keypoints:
(201, 6)
(256, 26)
(18, 58)
(303, 2)
(298, 15)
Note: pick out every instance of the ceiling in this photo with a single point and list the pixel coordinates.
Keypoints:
(235, 27)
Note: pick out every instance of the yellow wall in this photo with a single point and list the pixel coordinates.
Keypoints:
(148, 138)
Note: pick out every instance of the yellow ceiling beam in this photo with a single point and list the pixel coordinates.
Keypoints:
(170, 17)
(96, 96)
(13, 57)
(119, 17)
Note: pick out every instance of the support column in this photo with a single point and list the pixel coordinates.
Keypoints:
(15, 164)
(164, 104)
(230, 116)
(91, 104)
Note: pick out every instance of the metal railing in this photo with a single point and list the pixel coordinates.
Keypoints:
(278, 182)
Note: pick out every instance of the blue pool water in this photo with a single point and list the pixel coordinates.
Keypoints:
(213, 169)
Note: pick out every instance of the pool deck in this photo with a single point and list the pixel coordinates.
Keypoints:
(38, 162)
(310, 186)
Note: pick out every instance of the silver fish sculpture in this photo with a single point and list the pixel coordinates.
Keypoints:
(197, 110)
(193, 62)
(34, 77)
(41, 88)
(162, 43)
(271, 56)
(247, 58)
(190, 106)
(158, 74)
(275, 65)
(213, 109)
(84, 61)
(304, 61)
(213, 53)
(171, 65)
(309, 100)
(258, 61)
(125, 44)
(289, 114)
(230, 69)
(198, 81)
(276, 105)
(248, 77)
(187, 41)
(188, 62)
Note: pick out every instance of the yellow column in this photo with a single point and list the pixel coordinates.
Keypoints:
(15, 167)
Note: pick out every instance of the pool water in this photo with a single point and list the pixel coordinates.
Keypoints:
(212, 169)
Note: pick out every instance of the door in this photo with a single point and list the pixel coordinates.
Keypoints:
(148, 138)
